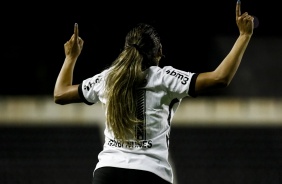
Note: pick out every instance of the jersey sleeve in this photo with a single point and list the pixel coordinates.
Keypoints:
(91, 89)
(192, 86)
(179, 83)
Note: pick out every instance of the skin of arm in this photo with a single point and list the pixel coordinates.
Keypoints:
(65, 92)
(224, 73)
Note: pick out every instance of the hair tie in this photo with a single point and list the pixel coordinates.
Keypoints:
(138, 49)
(136, 46)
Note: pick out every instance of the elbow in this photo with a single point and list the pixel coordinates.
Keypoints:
(58, 99)
(209, 81)
(222, 83)
(222, 78)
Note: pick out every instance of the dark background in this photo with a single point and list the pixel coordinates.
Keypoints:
(34, 35)
(210, 155)
(196, 35)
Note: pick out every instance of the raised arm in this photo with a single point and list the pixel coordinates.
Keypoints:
(65, 92)
(224, 73)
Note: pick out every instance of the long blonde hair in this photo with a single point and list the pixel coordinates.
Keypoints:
(141, 50)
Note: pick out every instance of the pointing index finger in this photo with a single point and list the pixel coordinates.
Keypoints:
(75, 31)
(238, 8)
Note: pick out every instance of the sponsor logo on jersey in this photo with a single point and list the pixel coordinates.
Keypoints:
(90, 84)
(131, 144)
(183, 77)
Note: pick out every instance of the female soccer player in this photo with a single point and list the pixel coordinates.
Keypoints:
(140, 100)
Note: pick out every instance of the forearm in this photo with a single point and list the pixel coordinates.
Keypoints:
(64, 87)
(228, 67)
(65, 76)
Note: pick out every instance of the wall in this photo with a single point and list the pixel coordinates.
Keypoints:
(213, 140)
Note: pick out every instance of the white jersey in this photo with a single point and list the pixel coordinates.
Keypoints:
(159, 100)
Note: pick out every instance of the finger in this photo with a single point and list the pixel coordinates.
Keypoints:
(80, 41)
(75, 31)
(238, 8)
(251, 18)
(244, 15)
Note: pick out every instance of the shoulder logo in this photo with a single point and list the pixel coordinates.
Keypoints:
(182, 77)
(90, 84)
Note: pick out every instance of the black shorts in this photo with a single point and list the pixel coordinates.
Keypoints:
(110, 175)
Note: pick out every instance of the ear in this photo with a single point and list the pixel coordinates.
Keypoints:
(160, 52)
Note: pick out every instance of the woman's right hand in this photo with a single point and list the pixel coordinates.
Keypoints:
(245, 22)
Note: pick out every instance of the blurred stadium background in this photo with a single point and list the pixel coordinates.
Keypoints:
(227, 136)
